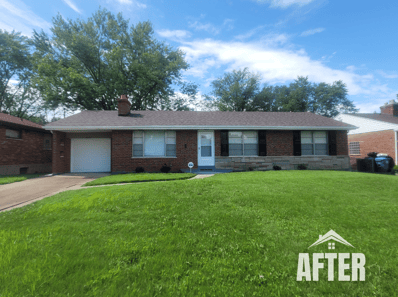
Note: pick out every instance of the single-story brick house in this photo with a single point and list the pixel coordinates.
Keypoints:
(121, 141)
(25, 147)
(377, 132)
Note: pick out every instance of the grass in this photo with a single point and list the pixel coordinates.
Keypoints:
(16, 178)
(210, 237)
(138, 177)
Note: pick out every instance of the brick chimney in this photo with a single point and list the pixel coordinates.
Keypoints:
(123, 106)
(390, 108)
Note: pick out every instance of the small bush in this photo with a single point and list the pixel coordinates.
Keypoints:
(251, 168)
(139, 169)
(395, 169)
(276, 167)
(302, 167)
(165, 169)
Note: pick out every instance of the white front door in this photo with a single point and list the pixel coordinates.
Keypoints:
(206, 148)
(90, 155)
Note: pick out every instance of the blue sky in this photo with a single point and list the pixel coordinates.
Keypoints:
(352, 41)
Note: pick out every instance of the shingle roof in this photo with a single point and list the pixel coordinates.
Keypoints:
(378, 117)
(186, 119)
(18, 121)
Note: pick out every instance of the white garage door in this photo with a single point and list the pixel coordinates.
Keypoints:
(90, 155)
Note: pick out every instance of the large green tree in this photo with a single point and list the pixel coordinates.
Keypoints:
(240, 90)
(235, 91)
(88, 64)
(17, 97)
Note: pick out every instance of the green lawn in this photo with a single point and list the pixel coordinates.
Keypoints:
(235, 234)
(16, 178)
(138, 177)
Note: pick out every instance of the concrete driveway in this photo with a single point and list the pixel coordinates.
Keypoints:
(28, 191)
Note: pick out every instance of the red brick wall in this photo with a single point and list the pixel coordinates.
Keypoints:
(122, 160)
(279, 143)
(381, 142)
(217, 143)
(61, 152)
(390, 109)
(27, 150)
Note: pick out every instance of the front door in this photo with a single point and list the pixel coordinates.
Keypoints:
(205, 148)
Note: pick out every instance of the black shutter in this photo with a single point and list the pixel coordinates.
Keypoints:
(296, 143)
(332, 143)
(262, 143)
(224, 143)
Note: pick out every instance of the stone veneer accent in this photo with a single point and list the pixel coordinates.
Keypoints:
(285, 162)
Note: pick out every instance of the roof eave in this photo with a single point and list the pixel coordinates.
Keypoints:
(110, 128)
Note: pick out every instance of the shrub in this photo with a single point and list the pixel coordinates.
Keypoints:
(139, 169)
(165, 168)
(302, 167)
(276, 167)
(395, 169)
(251, 168)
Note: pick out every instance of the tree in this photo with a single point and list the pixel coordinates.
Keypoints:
(89, 64)
(235, 91)
(239, 91)
(17, 97)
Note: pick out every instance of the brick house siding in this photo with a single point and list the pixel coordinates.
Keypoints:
(279, 150)
(380, 141)
(279, 143)
(61, 153)
(27, 153)
(122, 160)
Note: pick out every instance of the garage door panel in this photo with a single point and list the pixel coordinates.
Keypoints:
(91, 155)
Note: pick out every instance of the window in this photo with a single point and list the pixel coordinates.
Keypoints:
(355, 148)
(314, 143)
(154, 144)
(47, 142)
(243, 143)
(13, 134)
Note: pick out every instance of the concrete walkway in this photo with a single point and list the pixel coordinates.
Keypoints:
(19, 194)
(28, 191)
(79, 187)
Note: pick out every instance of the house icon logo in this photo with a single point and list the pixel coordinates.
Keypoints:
(331, 235)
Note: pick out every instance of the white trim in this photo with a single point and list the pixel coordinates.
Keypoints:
(110, 128)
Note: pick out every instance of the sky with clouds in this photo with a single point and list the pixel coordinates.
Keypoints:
(352, 41)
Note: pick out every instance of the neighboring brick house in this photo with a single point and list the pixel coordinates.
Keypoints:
(121, 141)
(25, 147)
(377, 132)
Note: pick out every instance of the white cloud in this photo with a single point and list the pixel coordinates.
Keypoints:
(19, 17)
(312, 32)
(204, 27)
(130, 2)
(385, 75)
(275, 64)
(72, 5)
(229, 24)
(174, 34)
(285, 3)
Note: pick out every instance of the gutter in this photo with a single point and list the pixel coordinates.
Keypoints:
(110, 128)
